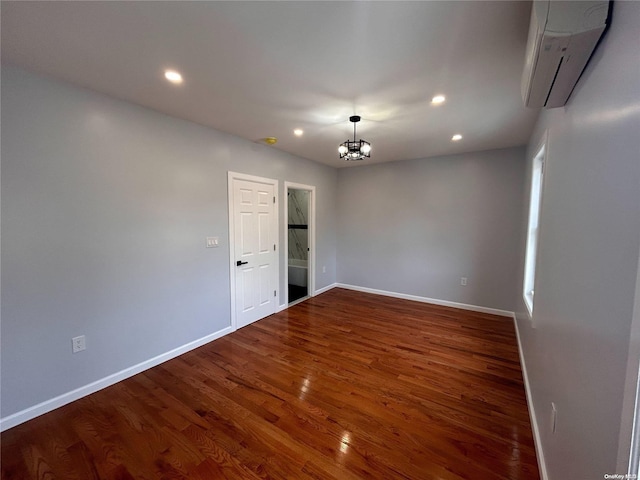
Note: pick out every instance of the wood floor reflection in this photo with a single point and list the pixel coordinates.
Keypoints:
(343, 386)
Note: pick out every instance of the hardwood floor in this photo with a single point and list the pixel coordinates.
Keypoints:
(343, 386)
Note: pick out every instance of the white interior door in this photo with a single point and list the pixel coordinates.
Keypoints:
(254, 250)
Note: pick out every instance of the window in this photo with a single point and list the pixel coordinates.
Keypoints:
(532, 229)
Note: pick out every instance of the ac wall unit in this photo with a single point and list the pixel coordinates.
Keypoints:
(562, 37)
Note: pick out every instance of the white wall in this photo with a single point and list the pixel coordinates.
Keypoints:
(105, 210)
(415, 227)
(577, 348)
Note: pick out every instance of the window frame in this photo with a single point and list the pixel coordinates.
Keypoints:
(533, 224)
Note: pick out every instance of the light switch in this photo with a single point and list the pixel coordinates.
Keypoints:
(213, 242)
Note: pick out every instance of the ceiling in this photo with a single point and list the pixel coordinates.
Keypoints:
(261, 69)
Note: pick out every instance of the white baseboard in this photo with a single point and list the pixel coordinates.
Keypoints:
(65, 398)
(542, 466)
(434, 301)
(326, 289)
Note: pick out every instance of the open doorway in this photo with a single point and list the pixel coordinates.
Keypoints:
(299, 238)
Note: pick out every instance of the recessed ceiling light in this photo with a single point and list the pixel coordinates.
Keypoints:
(456, 137)
(173, 76)
(438, 99)
(298, 132)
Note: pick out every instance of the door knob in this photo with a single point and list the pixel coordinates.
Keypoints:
(238, 263)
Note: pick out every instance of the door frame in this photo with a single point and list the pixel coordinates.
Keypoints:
(275, 226)
(311, 233)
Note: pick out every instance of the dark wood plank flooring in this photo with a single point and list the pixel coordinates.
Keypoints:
(344, 386)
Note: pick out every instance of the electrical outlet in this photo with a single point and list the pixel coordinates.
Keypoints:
(554, 417)
(78, 344)
(324, 269)
(463, 281)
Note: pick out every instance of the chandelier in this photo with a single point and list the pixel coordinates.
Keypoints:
(354, 149)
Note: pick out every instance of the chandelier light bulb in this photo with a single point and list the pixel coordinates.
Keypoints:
(366, 148)
(342, 149)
